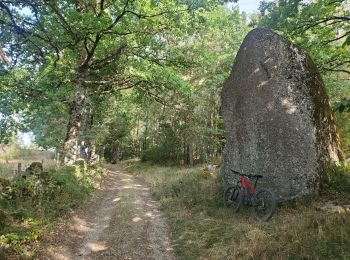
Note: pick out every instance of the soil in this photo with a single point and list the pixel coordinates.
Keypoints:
(120, 221)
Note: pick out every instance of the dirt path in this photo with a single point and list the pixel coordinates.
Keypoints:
(121, 221)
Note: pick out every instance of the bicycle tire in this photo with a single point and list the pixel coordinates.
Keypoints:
(233, 198)
(264, 205)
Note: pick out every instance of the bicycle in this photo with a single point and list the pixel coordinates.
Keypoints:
(261, 200)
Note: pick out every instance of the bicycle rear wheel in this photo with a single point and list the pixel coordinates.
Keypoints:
(264, 204)
(233, 197)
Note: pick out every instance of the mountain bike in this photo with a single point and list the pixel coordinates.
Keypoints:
(262, 200)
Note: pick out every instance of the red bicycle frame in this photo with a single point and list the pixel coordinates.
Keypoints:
(247, 185)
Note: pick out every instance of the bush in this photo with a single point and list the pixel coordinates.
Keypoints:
(336, 178)
(28, 205)
(159, 155)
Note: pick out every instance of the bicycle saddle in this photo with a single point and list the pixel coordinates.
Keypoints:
(258, 176)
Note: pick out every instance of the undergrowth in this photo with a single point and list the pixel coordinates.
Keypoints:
(30, 207)
(336, 179)
(202, 228)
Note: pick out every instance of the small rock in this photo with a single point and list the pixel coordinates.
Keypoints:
(211, 167)
(331, 207)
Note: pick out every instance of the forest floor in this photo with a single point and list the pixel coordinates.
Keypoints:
(120, 221)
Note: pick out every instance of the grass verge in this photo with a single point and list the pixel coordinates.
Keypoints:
(30, 208)
(202, 228)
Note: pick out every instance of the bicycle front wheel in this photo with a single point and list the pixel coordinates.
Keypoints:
(264, 204)
(233, 197)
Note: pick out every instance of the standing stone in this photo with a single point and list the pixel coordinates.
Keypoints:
(277, 117)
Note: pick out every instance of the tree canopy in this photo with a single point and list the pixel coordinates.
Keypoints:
(143, 78)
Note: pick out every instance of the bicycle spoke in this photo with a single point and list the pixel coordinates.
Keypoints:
(233, 198)
(264, 205)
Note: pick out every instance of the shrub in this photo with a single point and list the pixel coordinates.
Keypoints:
(28, 205)
(336, 178)
(159, 155)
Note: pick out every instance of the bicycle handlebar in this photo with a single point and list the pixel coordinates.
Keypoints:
(246, 175)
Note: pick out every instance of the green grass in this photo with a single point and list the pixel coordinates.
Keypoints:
(191, 198)
(29, 208)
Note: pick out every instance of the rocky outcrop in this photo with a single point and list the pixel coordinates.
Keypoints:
(277, 117)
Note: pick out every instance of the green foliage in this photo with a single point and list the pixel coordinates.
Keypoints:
(183, 114)
(318, 26)
(342, 106)
(173, 53)
(343, 124)
(29, 206)
(95, 49)
(187, 125)
(160, 155)
(337, 178)
(167, 149)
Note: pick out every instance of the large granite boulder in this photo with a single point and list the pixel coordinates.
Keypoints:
(277, 117)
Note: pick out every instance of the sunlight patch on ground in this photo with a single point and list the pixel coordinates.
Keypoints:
(59, 254)
(136, 219)
(80, 224)
(263, 83)
(149, 214)
(116, 199)
(96, 247)
(127, 187)
(137, 187)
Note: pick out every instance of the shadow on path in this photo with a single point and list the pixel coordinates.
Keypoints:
(120, 221)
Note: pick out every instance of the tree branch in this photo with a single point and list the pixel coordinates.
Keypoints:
(338, 38)
(99, 64)
(338, 70)
(63, 20)
(310, 24)
(3, 57)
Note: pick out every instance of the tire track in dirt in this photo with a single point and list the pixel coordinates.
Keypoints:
(120, 221)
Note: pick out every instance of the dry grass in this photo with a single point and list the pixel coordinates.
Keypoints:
(10, 163)
(203, 229)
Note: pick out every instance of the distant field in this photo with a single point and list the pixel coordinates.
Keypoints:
(9, 160)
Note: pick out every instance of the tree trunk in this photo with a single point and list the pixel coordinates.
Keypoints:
(92, 155)
(189, 139)
(3, 57)
(190, 154)
(74, 124)
(145, 142)
(116, 152)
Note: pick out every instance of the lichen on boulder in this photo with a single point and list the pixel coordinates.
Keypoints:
(34, 169)
(277, 117)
